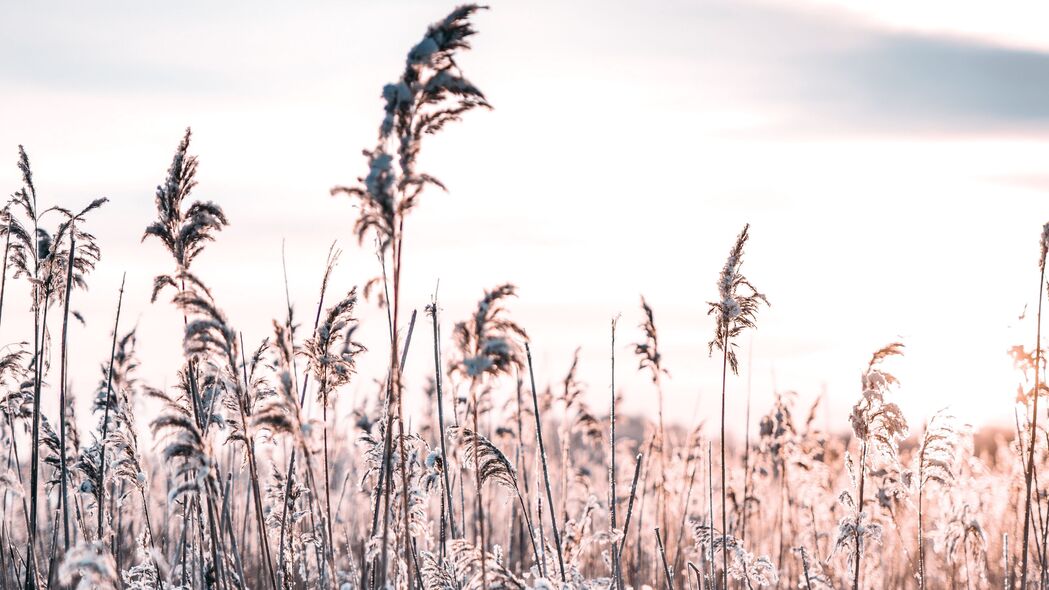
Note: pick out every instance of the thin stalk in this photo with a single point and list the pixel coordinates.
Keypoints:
(227, 525)
(15, 463)
(661, 497)
(327, 469)
(783, 510)
(663, 556)
(440, 414)
(62, 386)
(546, 471)
(542, 534)
(695, 572)
(249, 447)
(3, 277)
(379, 490)
(53, 553)
(616, 565)
(384, 471)
(639, 546)
(630, 502)
(32, 569)
(684, 512)
(105, 418)
(520, 460)
(1034, 427)
(805, 570)
(1008, 582)
(398, 244)
(921, 521)
(31, 565)
(724, 479)
(859, 515)
(478, 498)
(152, 539)
(216, 541)
(746, 448)
(302, 400)
(528, 522)
(710, 510)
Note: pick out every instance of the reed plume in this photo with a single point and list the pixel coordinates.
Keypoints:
(735, 311)
(184, 230)
(332, 355)
(430, 93)
(935, 465)
(487, 349)
(651, 359)
(879, 426)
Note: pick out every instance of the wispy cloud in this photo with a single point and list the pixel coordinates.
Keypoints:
(908, 82)
(808, 69)
(824, 70)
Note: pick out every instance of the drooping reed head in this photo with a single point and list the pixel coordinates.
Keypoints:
(777, 431)
(938, 452)
(481, 454)
(25, 245)
(738, 302)
(430, 93)
(184, 231)
(208, 333)
(120, 385)
(571, 388)
(332, 351)
(41, 255)
(278, 412)
(184, 442)
(875, 420)
(579, 419)
(648, 351)
(487, 343)
(86, 253)
(27, 173)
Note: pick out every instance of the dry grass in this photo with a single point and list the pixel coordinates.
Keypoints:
(250, 486)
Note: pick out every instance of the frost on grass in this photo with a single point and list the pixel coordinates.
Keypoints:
(743, 565)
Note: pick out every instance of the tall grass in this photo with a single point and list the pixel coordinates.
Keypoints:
(735, 311)
(1037, 392)
(259, 474)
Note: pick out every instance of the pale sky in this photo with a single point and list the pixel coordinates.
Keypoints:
(890, 157)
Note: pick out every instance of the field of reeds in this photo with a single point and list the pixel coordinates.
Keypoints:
(246, 473)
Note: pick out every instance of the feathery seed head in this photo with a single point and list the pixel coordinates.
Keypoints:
(429, 94)
(648, 351)
(486, 343)
(183, 232)
(1044, 245)
(737, 305)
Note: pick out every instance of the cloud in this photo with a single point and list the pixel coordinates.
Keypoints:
(193, 48)
(824, 70)
(802, 69)
(909, 82)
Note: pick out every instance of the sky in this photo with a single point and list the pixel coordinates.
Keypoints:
(890, 157)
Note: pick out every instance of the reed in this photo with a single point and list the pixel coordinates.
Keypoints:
(735, 311)
(293, 464)
(1029, 469)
